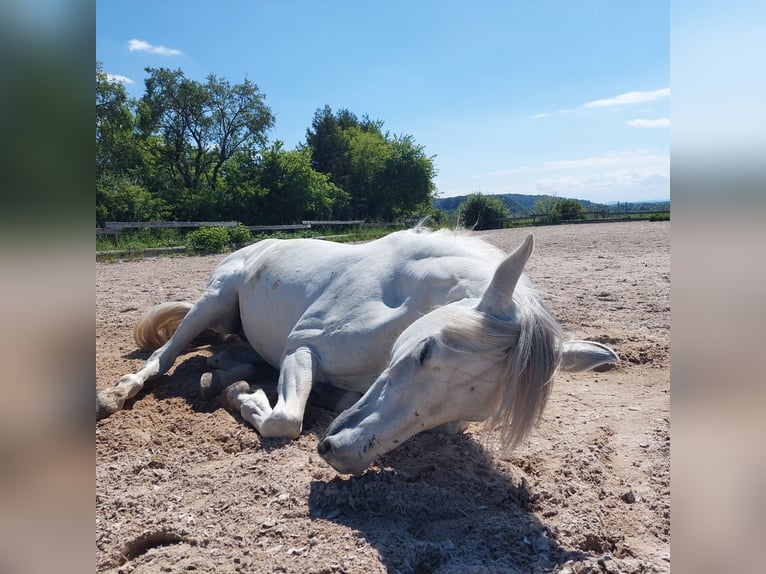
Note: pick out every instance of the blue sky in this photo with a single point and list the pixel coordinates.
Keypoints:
(558, 97)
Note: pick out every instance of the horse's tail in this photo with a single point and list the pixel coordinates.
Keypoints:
(158, 324)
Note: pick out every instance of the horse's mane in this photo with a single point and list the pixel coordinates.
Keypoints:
(524, 354)
(455, 242)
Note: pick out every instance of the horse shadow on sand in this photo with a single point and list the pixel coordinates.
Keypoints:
(183, 380)
(441, 503)
(437, 504)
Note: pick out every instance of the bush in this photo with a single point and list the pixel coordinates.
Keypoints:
(239, 235)
(208, 240)
(483, 212)
(556, 210)
(569, 209)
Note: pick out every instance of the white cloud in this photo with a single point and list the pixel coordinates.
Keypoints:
(630, 174)
(655, 123)
(136, 45)
(600, 182)
(629, 98)
(119, 79)
(611, 159)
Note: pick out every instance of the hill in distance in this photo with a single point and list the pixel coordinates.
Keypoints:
(519, 204)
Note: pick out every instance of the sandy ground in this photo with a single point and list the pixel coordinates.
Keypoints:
(182, 485)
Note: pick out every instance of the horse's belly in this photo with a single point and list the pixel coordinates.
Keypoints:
(267, 326)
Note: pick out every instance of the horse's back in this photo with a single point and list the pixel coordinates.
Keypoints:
(351, 296)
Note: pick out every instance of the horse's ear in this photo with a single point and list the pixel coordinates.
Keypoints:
(577, 356)
(498, 298)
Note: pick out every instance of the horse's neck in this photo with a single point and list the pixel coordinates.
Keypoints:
(448, 279)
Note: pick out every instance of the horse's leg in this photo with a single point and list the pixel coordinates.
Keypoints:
(210, 384)
(214, 382)
(231, 358)
(231, 365)
(211, 309)
(285, 420)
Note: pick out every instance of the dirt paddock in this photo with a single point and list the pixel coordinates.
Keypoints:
(183, 486)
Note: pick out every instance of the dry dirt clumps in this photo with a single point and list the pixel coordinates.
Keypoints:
(182, 485)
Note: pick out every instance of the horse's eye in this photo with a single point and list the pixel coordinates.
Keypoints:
(424, 353)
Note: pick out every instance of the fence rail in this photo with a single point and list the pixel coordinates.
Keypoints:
(116, 227)
(331, 223)
(591, 214)
(292, 227)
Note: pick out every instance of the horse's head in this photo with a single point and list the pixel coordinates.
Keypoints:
(491, 358)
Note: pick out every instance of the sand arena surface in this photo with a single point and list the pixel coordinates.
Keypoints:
(182, 485)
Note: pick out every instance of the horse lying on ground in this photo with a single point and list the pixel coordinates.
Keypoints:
(431, 330)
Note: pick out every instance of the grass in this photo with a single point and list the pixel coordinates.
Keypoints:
(137, 240)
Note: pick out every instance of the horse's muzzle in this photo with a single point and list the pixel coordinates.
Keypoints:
(324, 447)
(343, 464)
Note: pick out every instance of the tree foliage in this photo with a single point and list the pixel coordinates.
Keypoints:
(191, 129)
(483, 212)
(118, 198)
(569, 209)
(556, 210)
(386, 177)
(294, 192)
(117, 151)
(189, 150)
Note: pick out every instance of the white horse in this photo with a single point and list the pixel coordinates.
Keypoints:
(433, 329)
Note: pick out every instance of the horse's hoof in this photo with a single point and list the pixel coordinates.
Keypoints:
(210, 384)
(230, 398)
(102, 410)
(106, 404)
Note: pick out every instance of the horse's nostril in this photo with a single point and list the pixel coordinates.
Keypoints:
(324, 446)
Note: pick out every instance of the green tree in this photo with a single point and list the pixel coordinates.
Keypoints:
(557, 210)
(545, 205)
(239, 119)
(368, 154)
(120, 165)
(329, 142)
(405, 184)
(192, 129)
(118, 198)
(569, 209)
(114, 126)
(294, 191)
(386, 177)
(481, 211)
(241, 194)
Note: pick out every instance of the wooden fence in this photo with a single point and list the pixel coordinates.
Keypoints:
(590, 217)
(116, 227)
